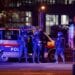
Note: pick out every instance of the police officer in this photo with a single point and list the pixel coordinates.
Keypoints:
(59, 44)
(23, 44)
(43, 39)
(36, 45)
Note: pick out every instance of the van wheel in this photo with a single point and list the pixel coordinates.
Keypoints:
(4, 58)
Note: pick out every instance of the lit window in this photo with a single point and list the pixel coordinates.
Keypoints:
(28, 24)
(28, 18)
(15, 17)
(69, 1)
(51, 20)
(53, 1)
(64, 19)
(28, 14)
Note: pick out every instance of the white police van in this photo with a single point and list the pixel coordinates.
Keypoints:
(9, 45)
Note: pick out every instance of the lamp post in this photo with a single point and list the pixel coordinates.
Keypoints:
(41, 16)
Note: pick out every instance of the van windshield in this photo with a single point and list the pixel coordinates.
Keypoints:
(9, 34)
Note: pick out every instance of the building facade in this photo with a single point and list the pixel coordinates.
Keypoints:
(15, 13)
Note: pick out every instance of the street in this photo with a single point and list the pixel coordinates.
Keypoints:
(35, 69)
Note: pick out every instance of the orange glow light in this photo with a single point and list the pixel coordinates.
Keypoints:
(42, 7)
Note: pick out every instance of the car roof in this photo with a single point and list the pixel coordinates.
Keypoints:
(13, 29)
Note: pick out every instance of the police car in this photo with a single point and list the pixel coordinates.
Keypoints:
(9, 45)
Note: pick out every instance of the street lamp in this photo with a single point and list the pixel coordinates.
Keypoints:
(41, 16)
(43, 7)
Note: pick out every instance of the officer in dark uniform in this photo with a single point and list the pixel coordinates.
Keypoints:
(36, 45)
(43, 39)
(59, 45)
(23, 39)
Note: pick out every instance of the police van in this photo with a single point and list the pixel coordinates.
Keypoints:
(9, 45)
